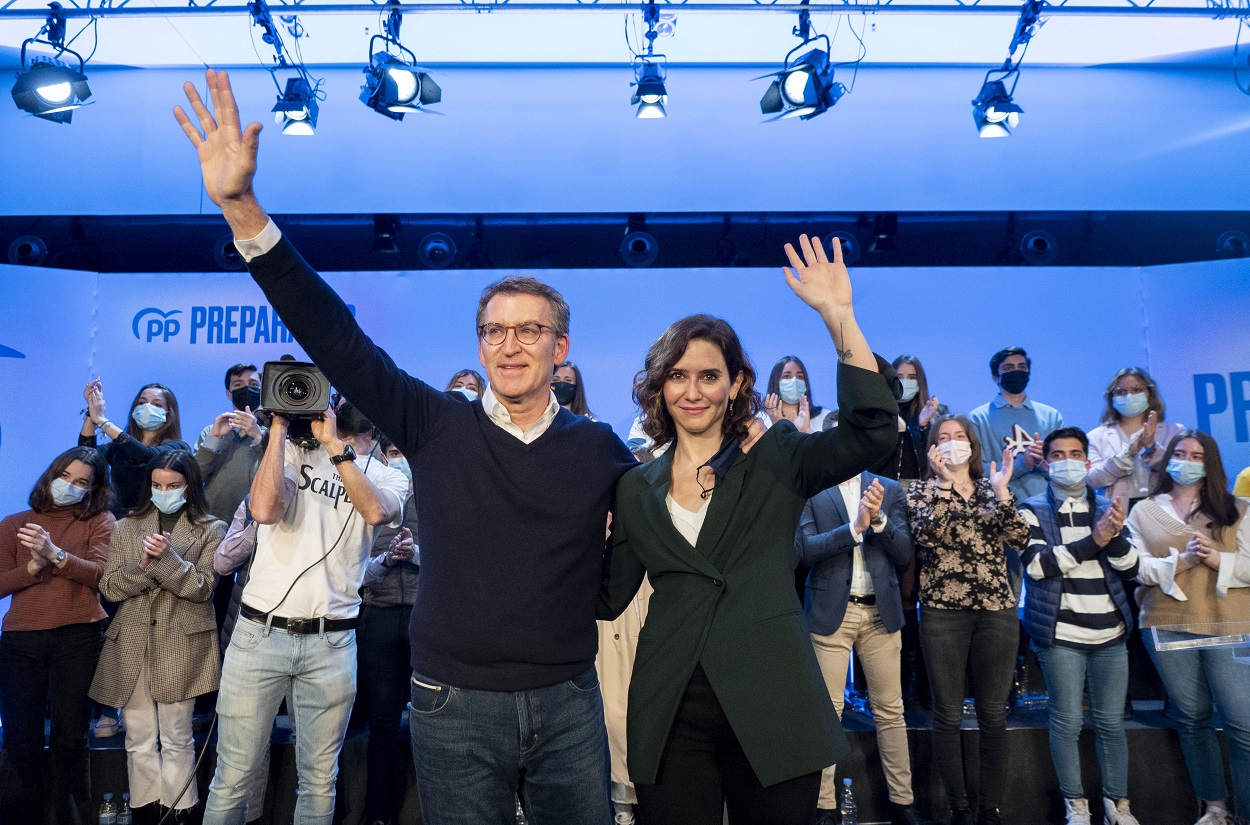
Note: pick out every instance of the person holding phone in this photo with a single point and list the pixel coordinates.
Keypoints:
(229, 449)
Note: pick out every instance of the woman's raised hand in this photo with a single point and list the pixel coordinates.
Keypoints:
(937, 463)
(94, 395)
(926, 414)
(1000, 474)
(822, 284)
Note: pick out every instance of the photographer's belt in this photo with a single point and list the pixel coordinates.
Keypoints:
(301, 626)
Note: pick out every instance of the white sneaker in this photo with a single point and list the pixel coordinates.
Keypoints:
(1118, 812)
(107, 726)
(1076, 812)
(1213, 816)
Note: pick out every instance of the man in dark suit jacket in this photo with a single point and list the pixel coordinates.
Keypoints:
(855, 539)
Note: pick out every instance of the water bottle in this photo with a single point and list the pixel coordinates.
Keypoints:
(124, 817)
(848, 809)
(108, 811)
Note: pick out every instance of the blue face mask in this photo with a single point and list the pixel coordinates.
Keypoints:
(148, 416)
(910, 388)
(466, 392)
(169, 501)
(1067, 473)
(1186, 473)
(64, 493)
(792, 389)
(400, 464)
(1132, 404)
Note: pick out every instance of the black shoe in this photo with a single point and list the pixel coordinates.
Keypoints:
(989, 816)
(904, 815)
(961, 816)
(824, 816)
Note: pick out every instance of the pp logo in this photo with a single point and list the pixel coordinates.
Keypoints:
(156, 324)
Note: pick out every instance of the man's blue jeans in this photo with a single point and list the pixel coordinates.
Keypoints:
(1200, 681)
(475, 750)
(260, 664)
(1068, 672)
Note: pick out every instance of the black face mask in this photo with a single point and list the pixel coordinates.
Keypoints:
(564, 392)
(1014, 382)
(245, 397)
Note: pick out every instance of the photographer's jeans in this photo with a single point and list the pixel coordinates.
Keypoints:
(473, 749)
(260, 664)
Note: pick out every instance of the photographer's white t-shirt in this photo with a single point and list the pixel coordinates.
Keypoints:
(320, 516)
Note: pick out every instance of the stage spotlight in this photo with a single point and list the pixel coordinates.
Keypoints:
(650, 95)
(994, 112)
(805, 88)
(639, 248)
(296, 109)
(1039, 248)
(28, 250)
(395, 86)
(46, 87)
(227, 256)
(1233, 244)
(385, 228)
(437, 251)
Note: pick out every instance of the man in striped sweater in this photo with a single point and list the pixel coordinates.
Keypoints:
(1078, 618)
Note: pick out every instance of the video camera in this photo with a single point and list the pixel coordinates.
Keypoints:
(296, 390)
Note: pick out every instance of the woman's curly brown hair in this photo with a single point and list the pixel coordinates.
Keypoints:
(664, 354)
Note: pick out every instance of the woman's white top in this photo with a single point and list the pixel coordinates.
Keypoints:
(687, 523)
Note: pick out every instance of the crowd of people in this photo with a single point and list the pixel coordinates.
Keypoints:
(448, 547)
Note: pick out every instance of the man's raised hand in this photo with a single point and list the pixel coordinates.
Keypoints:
(227, 153)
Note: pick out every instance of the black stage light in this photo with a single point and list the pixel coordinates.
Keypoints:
(46, 87)
(296, 109)
(650, 96)
(805, 88)
(396, 87)
(994, 112)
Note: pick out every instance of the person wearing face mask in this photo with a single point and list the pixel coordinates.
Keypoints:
(1015, 421)
(789, 397)
(229, 449)
(318, 509)
(51, 558)
(389, 589)
(160, 651)
(1078, 616)
(468, 383)
(964, 523)
(1195, 572)
(152, 428)
(570, 390)
(1126, 452)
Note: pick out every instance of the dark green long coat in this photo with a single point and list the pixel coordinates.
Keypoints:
(729, 603)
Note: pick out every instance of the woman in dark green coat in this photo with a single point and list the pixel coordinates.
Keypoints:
(727, 704)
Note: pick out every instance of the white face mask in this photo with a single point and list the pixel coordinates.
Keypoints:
(401, 464)
(1131, 404)
(467, 392)
(148, 416)
(910, 388)
(1067, 473)
(169, 501)
(64, 493)
(791, 389)
(955, 453)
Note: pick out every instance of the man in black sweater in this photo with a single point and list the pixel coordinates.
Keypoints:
(504, 694)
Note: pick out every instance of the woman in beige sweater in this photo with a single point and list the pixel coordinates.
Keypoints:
(1194, 540)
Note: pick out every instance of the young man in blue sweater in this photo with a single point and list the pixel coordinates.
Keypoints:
(505, 699)
(1079, 618)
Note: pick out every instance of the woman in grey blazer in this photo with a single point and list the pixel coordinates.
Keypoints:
(160, 651)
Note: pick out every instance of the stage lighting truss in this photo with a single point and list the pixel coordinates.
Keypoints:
(994, 110)
(650, 69)
(805, 88)
(47, 87)
(394, 84)
(296, 110)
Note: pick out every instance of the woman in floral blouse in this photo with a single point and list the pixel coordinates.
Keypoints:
(964, 527)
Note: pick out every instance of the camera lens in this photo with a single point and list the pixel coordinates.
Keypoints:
(296, 389)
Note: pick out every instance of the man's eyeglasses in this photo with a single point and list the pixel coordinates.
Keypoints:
(527, 333)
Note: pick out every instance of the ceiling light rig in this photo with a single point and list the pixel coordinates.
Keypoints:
(650, 69)
(47, 87)
(994, 111)
(296, 110)
(395, 85)
(805, 88)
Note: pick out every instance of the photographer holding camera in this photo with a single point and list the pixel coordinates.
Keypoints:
(319, 507)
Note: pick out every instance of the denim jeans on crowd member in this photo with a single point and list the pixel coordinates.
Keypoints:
(260, 664)
(989, 638)
(473, 750)
(382, 648)
(41, 669)
(1198, 681)
(1068, 673)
